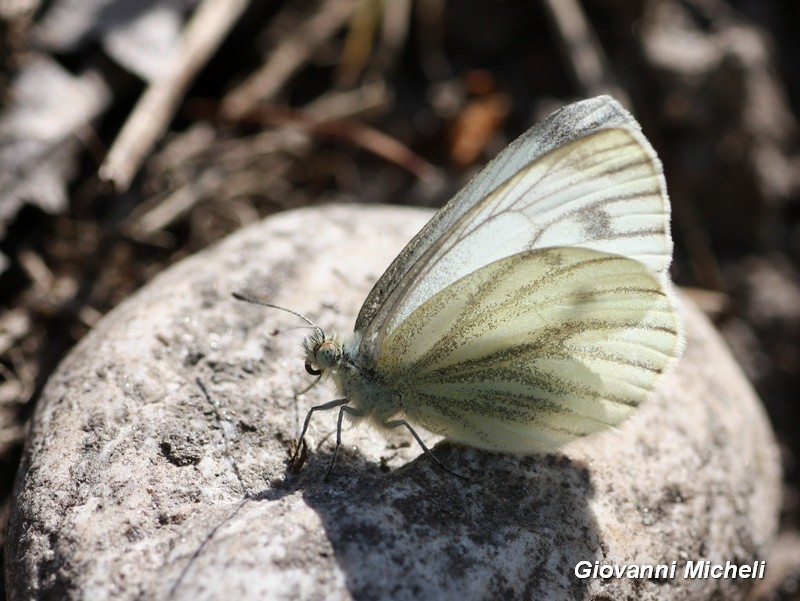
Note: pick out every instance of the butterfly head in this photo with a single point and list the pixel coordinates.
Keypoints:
(321, 353)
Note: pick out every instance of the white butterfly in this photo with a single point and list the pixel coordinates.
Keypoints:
(534, 308)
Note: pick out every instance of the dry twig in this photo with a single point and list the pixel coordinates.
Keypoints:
(354, 132)
(149, 119)
(582, 50)
(286, 58)
(151, 218)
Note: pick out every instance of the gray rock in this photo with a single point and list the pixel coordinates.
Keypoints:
(156, 467)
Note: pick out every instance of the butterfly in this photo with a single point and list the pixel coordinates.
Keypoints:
(534, 308)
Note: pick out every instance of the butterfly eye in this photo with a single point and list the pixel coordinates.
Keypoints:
(326, 355)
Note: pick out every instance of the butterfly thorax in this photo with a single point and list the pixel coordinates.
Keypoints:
(362, 386)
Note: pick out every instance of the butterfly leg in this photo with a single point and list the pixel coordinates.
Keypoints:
(396, 423)
(301, 439)
(342, 411)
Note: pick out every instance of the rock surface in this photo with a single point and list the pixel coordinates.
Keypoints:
(156, 465)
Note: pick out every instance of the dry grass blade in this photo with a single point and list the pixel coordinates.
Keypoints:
(359, 45)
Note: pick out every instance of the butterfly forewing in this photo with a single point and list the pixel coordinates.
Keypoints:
(570, 123)
(604, 191)
(533, 350)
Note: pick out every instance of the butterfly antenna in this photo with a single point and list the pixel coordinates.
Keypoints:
(255, 301)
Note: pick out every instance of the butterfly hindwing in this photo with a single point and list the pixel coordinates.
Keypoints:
(533, 350)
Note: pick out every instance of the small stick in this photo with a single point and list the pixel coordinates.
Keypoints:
(150, 117)
(582, 50)
(286, 58)
(356, 133)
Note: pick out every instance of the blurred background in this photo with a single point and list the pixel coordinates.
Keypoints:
(136, 132)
